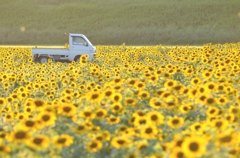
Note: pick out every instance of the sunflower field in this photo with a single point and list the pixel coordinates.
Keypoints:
(131, 102)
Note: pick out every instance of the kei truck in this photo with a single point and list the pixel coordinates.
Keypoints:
(78, 45)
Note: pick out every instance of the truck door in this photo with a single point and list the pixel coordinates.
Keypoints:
(78, 46)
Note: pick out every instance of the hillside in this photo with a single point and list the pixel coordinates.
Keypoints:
(113, 22)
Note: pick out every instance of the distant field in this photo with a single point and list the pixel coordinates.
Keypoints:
(113, 22)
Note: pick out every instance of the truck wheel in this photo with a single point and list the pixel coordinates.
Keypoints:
(43, 59)
(77, 59)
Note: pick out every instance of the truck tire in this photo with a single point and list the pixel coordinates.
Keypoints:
(77, 58)
(43, 59)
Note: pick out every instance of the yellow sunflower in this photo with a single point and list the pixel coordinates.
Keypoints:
(149, 132)
(63, 140)
(87, 113)
(100, 114)
(67, 109)
(46, 118)
(175, 122)
(120, 142)
(194, 146)
(155, 118)
(39, 142)
(116, 97)
(19, 136)
(94, 146)
(116, 107)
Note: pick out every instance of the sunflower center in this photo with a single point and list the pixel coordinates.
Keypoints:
(180, 154)
(185, 91)
(29, 123)
(170, 84)
(123, 128)
(142, 121)
(68, 91)
(80, 127)
(212, 111)
(194, 92)
(1, 148)
(185, 108)
(45, 117)
(108, 93)
(210, 100)
(177, 88)
(211, 86)
(233, 152)
(166, 95)
(159, 92)
(154, 117)
(66, 109)
(132, 119)
(117, 80)
(117, 87)
(132, 156)
(234, 111)
(228, 118)
(197, 127)
(87, 113)
(93, 145)
(116, 98)
(220, 87)
(201, 90)
(132, 82)
(120, 142)
(195, 81)
(99, 138)
(2, 135)
(226, 139)
(142, 147)
(100, 113)
(61, 140)
(116, 107)
(144, 95)
(141, 113)
(149, 130)
(193, 146)
(179, 143)
(38, 103)
(170, 104)
(38, 140)
(95, 96)
(20, 135)
(130, 101)
(219, 124)
(113, 119)
(1, 102)
(157, 104)
(140, 85)
(175, 121)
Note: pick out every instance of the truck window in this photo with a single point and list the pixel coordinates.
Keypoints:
(78, 40)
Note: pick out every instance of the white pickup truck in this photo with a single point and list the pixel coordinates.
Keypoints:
(78, 45)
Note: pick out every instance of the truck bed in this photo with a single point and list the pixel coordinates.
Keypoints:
(50, 51)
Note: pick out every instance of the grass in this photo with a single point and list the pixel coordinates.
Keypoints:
(106, 22)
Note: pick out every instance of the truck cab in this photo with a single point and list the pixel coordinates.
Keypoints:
(78, 45)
